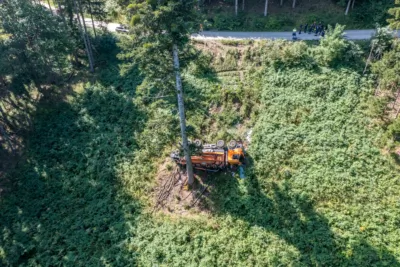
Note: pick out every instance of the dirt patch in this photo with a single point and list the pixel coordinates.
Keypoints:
(174, 197)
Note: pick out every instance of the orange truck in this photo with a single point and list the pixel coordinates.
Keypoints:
(214, 157)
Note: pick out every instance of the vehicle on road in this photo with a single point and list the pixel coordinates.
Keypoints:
(122, 28)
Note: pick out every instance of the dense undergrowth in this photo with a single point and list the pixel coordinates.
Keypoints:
(319, 191)
(221, 15)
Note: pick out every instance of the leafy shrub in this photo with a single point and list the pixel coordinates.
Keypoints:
(318, 190)
(387, 69)
(334, 50)
(237, 42)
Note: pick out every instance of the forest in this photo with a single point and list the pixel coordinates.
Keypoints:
(88, 119)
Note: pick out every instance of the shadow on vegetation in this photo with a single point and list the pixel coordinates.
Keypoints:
(294, 219)
(68, 206)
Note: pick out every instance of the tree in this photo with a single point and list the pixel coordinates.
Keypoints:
(294, 4)
(266, 8)
(394, 22)
(34, 53)
(348, 8)
(335, 50)
(159, 38)
(51, 10)
(39, 42)
(381, 42)
(236, 7)
(388, 67)
(85, 37)
(91, 16)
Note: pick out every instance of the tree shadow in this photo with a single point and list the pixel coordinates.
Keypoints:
(68, 205)
(293, 218)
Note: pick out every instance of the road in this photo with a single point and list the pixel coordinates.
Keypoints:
(98, 24)
(218, 35)
(215, 35)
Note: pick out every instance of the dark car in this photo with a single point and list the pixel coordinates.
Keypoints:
(122, 28)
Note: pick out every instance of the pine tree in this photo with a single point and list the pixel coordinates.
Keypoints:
(159, 37)
(236, 6)
(40, 43)
(394, 22)
(347, 8)
(266, 8)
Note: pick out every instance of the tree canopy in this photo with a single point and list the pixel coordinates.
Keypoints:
(394, 22)
(38, 43)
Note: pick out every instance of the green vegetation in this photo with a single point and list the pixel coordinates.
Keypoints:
(395, 19)
(221, 14)
(81, 151)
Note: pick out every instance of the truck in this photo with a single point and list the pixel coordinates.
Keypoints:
(215, 157)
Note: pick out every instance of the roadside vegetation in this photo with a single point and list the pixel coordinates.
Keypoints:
(281, 15)
(83, 150)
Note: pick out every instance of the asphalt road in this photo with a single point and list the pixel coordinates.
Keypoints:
(218, 35)
(350, 34)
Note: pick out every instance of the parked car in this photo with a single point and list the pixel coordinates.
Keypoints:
(122, 28)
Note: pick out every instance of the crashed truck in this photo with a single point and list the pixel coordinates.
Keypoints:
(215, 157)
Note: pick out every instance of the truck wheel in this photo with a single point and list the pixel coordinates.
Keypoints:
(232, 144)
(197, 142)
(220, 143)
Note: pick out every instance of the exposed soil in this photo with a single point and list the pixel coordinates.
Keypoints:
(173, 195)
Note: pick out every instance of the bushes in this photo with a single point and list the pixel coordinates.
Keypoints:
(318, 190)
(67, 206)
(387, 69)
(237, 42)
(247, 22)
(334, 50)
(313, 127)
(364, 15)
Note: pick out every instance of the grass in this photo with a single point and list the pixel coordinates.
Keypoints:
(318, 192)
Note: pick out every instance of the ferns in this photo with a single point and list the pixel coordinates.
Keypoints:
(319, 191)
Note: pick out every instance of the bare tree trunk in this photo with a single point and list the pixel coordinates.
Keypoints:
(91, 15)
(51, 10)
(266, 8)
(243, 5)
(347, 9)
(294, 4)
(86, 32)
(61, 13)
(84, 37)
(352, 5)
(181, 107)
(368, 59)
(281, 2)
(236, 7)
(377, 88)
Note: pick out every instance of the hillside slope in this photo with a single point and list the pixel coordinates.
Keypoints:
(319, 191)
